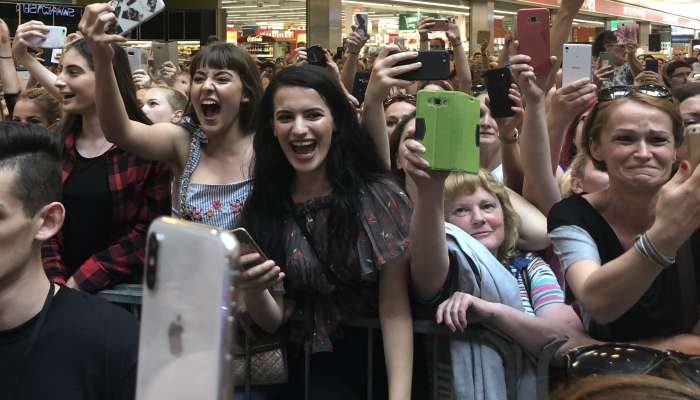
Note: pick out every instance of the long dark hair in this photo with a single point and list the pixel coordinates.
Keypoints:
(228, 56)
(73, 123)
(351, 164)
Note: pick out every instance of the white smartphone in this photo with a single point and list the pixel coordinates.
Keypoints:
(55, 38)
(164, 51)
(187, 312)
(362, 24)
(132, 13)
(56, 56)
(138, 59)
(576, 63)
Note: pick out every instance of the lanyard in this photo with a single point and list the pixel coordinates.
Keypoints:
(33, 338)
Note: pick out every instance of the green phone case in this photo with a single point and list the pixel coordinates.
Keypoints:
(447, 123)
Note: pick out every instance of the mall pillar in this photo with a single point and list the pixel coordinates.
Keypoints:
(323, 23)
(480, 24)
(644, 31)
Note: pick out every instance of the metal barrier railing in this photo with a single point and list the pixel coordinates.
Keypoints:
(130, 296)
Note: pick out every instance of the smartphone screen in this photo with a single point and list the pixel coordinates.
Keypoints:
(498, 83)
(651, 64)
(362, 24)
(605, 59)
(360, 86)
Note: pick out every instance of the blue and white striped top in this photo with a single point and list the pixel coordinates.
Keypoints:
(219, 206)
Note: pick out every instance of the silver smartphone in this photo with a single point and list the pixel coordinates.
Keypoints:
(187, 312)
(576, 63)
(55, 38)
(138, 59)
(164, 51)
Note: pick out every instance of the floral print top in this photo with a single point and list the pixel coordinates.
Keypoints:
(323, 302)
(214, 205)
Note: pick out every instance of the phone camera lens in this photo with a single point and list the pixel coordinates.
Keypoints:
(152, 261)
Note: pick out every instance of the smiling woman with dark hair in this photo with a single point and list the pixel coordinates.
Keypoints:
(325, 210)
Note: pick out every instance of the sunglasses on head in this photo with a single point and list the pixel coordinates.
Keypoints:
(478, 89)
(408, 98)
(615, 92)
(624, 358)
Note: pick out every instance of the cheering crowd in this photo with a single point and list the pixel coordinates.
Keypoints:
(573, 247)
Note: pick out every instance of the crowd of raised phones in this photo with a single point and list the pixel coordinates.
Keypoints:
(574, 247)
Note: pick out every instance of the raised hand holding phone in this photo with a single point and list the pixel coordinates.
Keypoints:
(25, 36)
(96, 18)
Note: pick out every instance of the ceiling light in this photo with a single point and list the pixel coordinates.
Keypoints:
(588, 21)
(504, 12)
(398, 2)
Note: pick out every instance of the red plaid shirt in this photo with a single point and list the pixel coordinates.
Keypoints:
(140, 192)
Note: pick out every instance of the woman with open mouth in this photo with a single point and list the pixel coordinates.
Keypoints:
(324, 207)
(210, 149)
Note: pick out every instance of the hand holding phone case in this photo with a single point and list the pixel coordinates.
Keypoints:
(533, 38)
(447, 123)
(498, 83)
(186, 323)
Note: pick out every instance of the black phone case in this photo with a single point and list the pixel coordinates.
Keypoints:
(498, 83)
(316, 56)
(360, 86)
(651, 65)
(435, 67)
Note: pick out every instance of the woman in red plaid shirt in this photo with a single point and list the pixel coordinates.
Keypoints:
(110, 195)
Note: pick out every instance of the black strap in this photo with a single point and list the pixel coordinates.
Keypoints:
(686, 275)
(36, 330)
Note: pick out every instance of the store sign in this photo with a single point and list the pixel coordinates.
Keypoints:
(47, 10)
(409, 22)
(682, 39)
(617, 9)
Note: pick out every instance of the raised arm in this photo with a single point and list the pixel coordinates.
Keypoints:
(354, 45)
(462, 70)
(539, 186)
(567, 104)
(163, 142)
(562, 28)
(424, 25)
(428, 245)
(8, 72)
(23, 36)
(380, 82)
